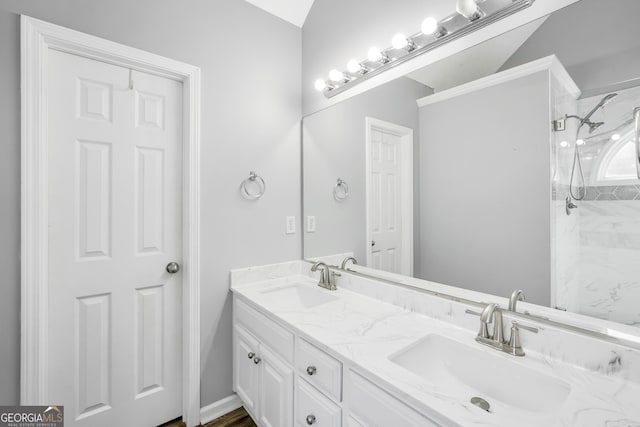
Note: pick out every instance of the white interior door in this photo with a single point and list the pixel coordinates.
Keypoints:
(115, 222)
(386, 240)
(390, 197)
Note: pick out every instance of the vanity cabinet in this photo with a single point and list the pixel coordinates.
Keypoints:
(368, 405)
(283, 381)
(263, 377)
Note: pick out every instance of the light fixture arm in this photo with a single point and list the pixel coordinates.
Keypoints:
(449, 29)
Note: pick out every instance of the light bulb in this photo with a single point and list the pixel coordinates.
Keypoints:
(399, 41)
(336, 75)
(354, 66)
(320, 84)
(467, 8)
(615, 136)
(374, 54)
(580, 142)
(564, 144)
(429, 26)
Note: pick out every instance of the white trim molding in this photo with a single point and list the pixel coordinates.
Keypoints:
(219, 408)
(550, 64)
(406, 189)
(37, 38)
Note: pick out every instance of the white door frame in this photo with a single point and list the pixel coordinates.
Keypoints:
(37, 37)
(406, 188)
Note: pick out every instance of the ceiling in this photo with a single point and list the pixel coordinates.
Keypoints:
(293, 11)
(479, 61)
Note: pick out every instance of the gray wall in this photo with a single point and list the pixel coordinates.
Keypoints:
(250, 65)
(485, 190)
(334, 147)
(597, 41)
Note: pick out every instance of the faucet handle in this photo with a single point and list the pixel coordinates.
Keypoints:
(526, 328)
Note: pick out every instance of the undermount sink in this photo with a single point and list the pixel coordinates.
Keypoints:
(304, 295)
(464, 369)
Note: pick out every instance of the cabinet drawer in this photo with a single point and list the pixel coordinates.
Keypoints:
(319, 369)
(312, 408)
(266, 330)
(371, 406)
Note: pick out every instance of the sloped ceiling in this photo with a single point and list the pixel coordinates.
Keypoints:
(476, 62)
(293, 11)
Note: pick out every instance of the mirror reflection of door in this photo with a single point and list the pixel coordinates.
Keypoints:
(389, 197)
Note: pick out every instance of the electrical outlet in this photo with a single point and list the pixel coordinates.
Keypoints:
(291, 225)
(311, 224)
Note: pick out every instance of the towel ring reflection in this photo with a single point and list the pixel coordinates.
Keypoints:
(254, 180)
(340, 190)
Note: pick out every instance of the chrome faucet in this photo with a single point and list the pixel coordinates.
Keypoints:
(492, 313)
(517, 295)
(346, 261)
(327, 277)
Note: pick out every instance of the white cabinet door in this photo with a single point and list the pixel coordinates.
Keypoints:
(246, 371)
(276, 391)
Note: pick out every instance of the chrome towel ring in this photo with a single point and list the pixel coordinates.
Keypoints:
(258, 185)
(341, 190)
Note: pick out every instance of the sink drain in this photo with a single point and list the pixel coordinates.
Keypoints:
(481, 403)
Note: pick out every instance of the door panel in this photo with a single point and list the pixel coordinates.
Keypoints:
(276, 391)
(115, 222)
(385, 206)
(246, 371)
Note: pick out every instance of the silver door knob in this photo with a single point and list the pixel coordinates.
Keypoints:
(373, 243)
(257, 360)
(250, 355)
(311, 370)
(173, 267)
(311, 419)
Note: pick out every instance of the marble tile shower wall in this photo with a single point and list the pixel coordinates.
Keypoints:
(596, 256)
(564, 229)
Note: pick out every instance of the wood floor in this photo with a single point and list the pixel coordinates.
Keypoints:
(237, 418)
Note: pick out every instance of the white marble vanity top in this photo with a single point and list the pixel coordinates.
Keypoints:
(366, 332)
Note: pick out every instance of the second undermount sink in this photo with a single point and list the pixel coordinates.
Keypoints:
(304, 295)
(464, 369)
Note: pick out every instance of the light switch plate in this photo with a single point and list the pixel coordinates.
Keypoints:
(291, 225)
(311, 224)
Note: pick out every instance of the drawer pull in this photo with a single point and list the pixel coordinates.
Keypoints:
(311, 419)
(257, 360)
(251, 354)
(311, 370)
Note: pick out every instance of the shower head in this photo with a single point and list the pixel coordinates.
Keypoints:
(593, 126)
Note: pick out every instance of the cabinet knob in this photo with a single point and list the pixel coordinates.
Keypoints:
(311, 370)
(311, 419)
(251, 354)
(257, 360)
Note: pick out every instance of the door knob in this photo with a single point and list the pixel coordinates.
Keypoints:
(311, 419)
(311, 370)
(257, 360)
(373, 243)
(173, 267)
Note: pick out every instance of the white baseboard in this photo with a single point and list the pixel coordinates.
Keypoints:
(219, 408)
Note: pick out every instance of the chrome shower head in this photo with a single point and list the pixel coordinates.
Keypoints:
(593, 126)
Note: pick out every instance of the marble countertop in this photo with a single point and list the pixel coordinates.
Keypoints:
(365, 332)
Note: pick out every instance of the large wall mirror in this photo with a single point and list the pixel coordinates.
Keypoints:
(510, 165)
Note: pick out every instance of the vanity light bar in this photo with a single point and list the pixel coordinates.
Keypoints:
(451, 28)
